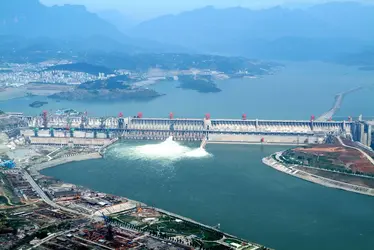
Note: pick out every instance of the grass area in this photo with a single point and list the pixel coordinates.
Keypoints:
(329, 161)
(11, 222)
(130, 219)
(232, 241)
(170, 226)
(7, 190)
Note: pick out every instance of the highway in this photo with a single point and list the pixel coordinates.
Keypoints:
(51, 236)
(45, 198)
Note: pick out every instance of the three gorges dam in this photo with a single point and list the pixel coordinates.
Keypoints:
(84, 130)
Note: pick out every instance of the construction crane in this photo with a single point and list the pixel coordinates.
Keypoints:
(102, 122)
(84, 120)
(139, 208)
(45, 119)
(121, 121)
(109, 236)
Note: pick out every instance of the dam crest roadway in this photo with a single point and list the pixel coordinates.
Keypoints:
(100, 131)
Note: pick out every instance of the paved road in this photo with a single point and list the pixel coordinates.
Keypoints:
(51, 236)
(363, 152)
(45, 198)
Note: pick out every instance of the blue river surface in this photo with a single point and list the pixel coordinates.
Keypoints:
(231, 186)
(296, 92)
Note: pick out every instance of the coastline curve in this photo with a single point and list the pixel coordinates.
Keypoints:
(315, 178)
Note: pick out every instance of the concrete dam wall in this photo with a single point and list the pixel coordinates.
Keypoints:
(214, 130)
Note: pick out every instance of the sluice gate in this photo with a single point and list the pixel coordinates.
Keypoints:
(139, 128)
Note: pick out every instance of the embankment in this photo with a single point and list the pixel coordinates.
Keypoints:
(315, 178)
(49, 164)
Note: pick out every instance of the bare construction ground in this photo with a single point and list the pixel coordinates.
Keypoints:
(338, 156)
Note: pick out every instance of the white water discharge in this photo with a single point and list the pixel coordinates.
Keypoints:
(166, 151)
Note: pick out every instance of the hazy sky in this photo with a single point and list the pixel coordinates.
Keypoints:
(144, 9)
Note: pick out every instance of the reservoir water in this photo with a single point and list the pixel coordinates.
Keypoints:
(229, 185)
(296, 92)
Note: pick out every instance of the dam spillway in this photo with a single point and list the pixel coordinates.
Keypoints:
(104, 129)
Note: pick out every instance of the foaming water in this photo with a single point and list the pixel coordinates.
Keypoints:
(166, 152)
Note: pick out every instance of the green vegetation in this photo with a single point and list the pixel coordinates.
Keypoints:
(171, 227)
(42, 233)
(7, 191)
(11, 224)
(117, 82)
(4, 201)
(232, 241)
(201, 84)
(168, 227)
(179, 61)
(367, 68)
(328, 161)
(37, 104)
(83, 67)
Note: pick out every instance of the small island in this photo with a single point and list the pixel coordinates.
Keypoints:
(367, 68)
(37, 104)
(200, 84)
(116, 88)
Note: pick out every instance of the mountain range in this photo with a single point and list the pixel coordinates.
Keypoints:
(28, 24)
(30, 18)
(118, 19)
(318, 32)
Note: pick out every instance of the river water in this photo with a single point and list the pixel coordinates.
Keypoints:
(228, 184)
(296, 92)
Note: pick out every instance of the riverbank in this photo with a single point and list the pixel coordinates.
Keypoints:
(270, 161)
(35, 169)
(130, 207)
